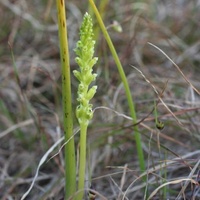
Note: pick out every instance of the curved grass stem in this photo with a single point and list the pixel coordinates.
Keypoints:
(126, 86)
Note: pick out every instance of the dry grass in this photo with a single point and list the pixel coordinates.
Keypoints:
(30, 103)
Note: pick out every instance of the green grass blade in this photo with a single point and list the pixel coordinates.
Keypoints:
(70, 165)
(126, 86)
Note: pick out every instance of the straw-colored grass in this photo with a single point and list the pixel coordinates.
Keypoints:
(31, 112)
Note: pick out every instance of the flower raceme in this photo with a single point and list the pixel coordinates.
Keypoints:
(85, 51)
(84, 113)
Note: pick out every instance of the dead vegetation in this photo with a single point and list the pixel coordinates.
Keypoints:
(30, 100)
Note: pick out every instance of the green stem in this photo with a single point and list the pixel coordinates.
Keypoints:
(126, 86)
(102, 10)
(82, 161)
(155, 112)
(70, 165)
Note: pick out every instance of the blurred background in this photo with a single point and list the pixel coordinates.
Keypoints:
(30, 97)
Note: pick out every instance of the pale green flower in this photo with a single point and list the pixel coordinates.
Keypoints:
(85, 51)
